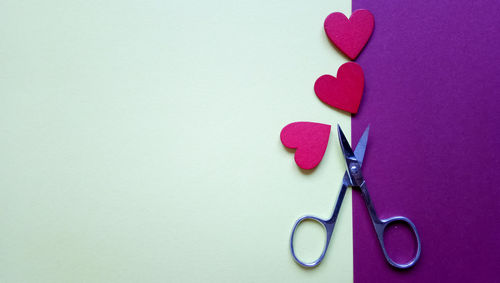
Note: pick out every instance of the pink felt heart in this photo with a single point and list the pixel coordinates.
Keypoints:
(350, 35)
(310, 139)
(344, 91)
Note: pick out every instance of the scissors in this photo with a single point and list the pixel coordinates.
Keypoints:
(353, 177)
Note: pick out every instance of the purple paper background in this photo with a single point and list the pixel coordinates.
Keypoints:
(432, 98)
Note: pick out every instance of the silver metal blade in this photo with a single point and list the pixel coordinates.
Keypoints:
(353, 166)
(359, 152)
(344, 144)
(360, 149)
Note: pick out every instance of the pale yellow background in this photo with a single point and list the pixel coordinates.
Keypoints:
(139, 141)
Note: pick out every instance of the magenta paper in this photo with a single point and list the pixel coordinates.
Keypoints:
(432, 98)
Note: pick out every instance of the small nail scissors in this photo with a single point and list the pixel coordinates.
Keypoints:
(353, 177)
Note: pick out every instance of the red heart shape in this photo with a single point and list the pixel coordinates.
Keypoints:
(343, 92)
(350, 35)
(310, 139)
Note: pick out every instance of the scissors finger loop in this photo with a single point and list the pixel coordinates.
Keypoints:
(380, 229)
(328, 234)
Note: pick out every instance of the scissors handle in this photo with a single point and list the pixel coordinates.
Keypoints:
(381, 225)
(380, 229)
(327, 225)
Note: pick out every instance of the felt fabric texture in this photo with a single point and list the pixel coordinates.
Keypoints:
(343, 92)
(432, 98)
(350, 35)
(310, 139)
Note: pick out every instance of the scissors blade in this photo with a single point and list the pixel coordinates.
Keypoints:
(346, 181)
(360, 149)
(359, 152)
(353, 165)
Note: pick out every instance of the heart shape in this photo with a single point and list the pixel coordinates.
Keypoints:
(350, 35)
(310, 139)
(345, 91)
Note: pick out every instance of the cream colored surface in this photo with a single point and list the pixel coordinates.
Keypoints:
(140, 142)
